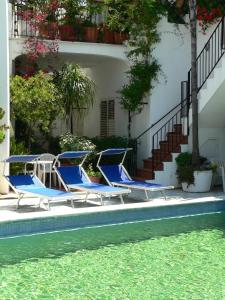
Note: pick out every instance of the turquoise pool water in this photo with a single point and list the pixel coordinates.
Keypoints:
(180, 258)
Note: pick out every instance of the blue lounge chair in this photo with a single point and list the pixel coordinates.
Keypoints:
(30, 185)
(74, 177)
(117, 175)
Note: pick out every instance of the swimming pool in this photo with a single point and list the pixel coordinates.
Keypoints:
(176, 258)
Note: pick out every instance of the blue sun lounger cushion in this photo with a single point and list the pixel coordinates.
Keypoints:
(74, 177)
(117, 175)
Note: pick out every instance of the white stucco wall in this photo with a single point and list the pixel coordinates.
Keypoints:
(4, 87)
(109, 77)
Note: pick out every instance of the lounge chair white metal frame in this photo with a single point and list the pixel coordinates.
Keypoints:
(20, 192)
(99, 193)
(123, 151)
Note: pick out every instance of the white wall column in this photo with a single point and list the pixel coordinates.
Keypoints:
(4, 86)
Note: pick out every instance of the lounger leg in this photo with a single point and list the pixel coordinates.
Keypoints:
(72, 203)
(163, 194)
(86, 197)
(147, 196)
(48, 205)
(18, 201)
(102, 203)
(121, 199)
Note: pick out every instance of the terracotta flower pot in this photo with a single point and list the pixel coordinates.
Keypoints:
(91, 34)
(67, 33)
(108, 36)
(95, 179)
(48, 30)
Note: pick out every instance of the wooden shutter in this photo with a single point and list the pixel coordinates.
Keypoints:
(107, 118)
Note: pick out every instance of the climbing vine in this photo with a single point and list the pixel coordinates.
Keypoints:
(2, 127)
(139, 19)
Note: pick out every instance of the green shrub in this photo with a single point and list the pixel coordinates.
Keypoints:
(17, 148)
(70, 142)
(36, 101)
(103, 143)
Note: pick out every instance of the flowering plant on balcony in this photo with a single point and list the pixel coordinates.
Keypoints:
(209, 12)
(41, 21)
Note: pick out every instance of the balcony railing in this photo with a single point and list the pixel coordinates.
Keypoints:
(57, 25)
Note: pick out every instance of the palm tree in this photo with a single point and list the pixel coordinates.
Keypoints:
(77, 90)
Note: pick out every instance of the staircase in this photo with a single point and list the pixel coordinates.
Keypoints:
(167, 147)
(172, 137)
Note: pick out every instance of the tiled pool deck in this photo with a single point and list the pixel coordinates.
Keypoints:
(30, 206)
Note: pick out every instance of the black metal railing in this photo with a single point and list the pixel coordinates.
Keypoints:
(170, 134)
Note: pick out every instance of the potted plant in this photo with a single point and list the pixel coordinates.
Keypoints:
(95, 176)
(194, 179)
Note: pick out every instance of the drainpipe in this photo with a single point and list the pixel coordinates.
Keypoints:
(4, 87)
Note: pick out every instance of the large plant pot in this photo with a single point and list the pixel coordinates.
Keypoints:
(202, 182)
(91, 34)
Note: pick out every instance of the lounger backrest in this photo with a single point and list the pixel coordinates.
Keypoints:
(114, 173)
(72, 174)
(22, 182)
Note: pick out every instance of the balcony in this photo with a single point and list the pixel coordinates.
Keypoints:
(61, 23)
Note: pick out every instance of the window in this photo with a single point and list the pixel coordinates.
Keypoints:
(107, 118)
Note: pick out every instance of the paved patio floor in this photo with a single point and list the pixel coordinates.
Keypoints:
(30, 206)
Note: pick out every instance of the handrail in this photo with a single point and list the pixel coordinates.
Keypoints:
(154, 124)
(209, 38)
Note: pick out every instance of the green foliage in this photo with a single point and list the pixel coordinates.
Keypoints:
(69, 142)
(92, 172)
(140, 20)
(103, 143)
(17, 148)
(36, 101)
(76, 88)
(141, 78)
(2, 127)
(184, 159)
(53, 145)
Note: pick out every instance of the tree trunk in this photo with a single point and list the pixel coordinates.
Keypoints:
(194, 83)
(129, 125)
